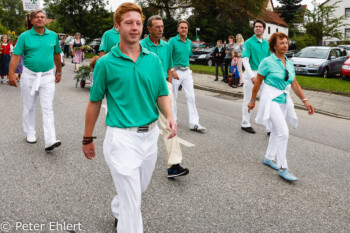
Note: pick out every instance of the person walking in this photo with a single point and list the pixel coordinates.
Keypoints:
(155, 44)
(66, 48)
(238, 47)
(219, 54)
(5, 57)
(228, 57)
(42, 53)
(255, 49)
(109, 39)
(130, 145)
(181, 49)
(276, 104)
(76, 46)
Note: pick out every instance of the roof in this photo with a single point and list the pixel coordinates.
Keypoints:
(270, 17)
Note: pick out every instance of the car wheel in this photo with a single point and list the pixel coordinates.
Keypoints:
(325, 73)
(82, 83)
(210, 62)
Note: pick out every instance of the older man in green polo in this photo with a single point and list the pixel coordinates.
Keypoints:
(154, 44)
(42, 52)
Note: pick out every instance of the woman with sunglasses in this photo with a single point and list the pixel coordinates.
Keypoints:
(276, 105)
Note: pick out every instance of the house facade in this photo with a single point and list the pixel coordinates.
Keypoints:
(343, 8)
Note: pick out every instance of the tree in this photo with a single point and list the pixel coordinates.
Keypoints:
(216, 18)
(12, 15)
(289, 10)
(321, 22)
(89, 17)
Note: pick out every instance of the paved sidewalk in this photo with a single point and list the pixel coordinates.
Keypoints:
(324, 103)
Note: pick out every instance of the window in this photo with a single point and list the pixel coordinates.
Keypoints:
(347, 12)
(347, 33)
(276, 29)
(269, 30)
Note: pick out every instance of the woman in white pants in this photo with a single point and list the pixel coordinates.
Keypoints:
(276, 104)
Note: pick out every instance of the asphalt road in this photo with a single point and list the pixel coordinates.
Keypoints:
(228, 188)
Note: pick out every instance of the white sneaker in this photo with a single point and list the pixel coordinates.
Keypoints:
(31, 139)
(197, 127)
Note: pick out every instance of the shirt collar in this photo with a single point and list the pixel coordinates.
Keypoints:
(150, 43)
(35, 33)
(257, 40)
(114, 30)
(276, 58)
(178, 38)
(117, 53)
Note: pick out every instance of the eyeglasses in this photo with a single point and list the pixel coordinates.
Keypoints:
(287, 76)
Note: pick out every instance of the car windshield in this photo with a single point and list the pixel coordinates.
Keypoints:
(313, 53)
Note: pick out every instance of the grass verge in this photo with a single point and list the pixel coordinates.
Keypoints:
(334, 84)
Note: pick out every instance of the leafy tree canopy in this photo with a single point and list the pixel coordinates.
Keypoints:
(89, 17)
(12, 15)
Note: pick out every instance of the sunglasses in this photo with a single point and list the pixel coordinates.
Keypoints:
(287, 76)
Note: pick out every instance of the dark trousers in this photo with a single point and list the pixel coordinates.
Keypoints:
(66, 50)
(227, 65)
(217, 70)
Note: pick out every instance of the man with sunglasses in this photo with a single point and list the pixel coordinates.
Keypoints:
(255, 49)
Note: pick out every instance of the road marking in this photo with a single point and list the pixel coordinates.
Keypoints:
(182, 141)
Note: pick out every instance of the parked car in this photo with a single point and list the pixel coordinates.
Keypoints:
(203, 56)
(319, 60)
(345, 70)
(198, 44)
(95, 45)
(347, 48)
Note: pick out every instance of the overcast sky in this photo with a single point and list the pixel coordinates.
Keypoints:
(115, 3)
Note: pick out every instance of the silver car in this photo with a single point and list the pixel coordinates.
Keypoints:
(319, 60)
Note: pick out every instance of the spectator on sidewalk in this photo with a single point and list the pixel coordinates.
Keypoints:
(239, 48)
(67, 40)
(228, 58)
(276, 104)
(219, 54)
(5, 57)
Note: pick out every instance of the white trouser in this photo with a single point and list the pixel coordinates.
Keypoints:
(46, 92)
(279, 135)
(247, 89)
(185, 79)
(172, 145)
(131, 158)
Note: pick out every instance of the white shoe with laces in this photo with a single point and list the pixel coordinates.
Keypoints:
(197, 127)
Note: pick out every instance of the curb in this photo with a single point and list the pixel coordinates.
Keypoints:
(240, 95)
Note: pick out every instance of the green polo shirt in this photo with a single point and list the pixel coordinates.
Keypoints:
(131, 88)
(274, 72)
(256, 51)
(38, 49)
(109, 39)
(162, 50)
(180, 51)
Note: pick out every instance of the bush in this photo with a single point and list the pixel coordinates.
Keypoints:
(304, 40)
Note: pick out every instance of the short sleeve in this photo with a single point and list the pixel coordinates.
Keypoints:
(246, 50)
(98, 89)
(191, 52)
(19, 48)
(11, 48)
(170, 58)
(71, 42)
(57, 46)
(263, 69)
(103, 43)
(171, 47)
(163, 87)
